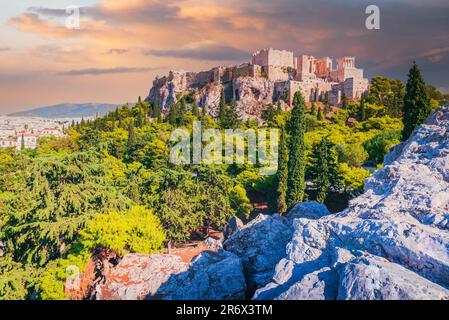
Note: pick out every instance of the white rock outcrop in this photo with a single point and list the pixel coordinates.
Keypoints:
(391, 243)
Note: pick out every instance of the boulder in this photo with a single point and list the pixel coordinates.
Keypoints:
(212, 276)
(373, 278)
(138, 276)
(234, 225)
(260, 244)
(309, 210)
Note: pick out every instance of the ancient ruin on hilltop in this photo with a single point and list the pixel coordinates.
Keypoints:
(271, 76)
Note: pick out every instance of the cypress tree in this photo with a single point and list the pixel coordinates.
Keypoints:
(362, 110)
(319, 115)
(232, 118)
(222, 107)
(313, 109)
(139, 118)
(195, 110)
(173, 115)
(279, 107)
(131, 136)
(22, 143)
(397, 99)
(296, 161)
(344, 101)
(204, 111)
(282, 175)
(416, 102)
(324, 168)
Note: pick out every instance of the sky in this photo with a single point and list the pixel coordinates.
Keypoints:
(122, 45)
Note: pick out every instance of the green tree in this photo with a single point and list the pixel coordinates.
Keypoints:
(296, 161)
(222, 107)
(362, 110)
(344, 101)
(324, 168)
(231, 118)
(313, 109)
(319, 115)
(22, 143)
(282, 175)
(132, 140)
(173, 115)
(416, 102)
(195, 110)
(61, 193)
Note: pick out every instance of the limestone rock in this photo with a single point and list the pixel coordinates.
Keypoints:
(234, 225)
(260, 244)
(372, 278)
(138, 276)
(212, 276)
(254, 95)
(309, 210)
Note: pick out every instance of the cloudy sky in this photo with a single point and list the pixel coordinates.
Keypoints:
(122, 45)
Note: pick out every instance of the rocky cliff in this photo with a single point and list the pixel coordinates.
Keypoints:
(390, 243)
(252, 94)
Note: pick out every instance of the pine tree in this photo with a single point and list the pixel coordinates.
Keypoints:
(324, 168)
(282, 175)
(416, 102)
(231, 119)
(296, 161)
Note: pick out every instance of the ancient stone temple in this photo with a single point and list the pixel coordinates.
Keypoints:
(270, 77)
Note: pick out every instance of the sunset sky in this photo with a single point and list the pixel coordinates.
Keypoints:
(122, 45)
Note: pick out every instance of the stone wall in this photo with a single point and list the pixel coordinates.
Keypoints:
(271, 57)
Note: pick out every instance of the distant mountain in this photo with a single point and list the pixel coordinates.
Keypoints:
(68, 110)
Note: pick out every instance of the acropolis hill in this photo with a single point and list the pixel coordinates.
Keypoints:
(270, 77)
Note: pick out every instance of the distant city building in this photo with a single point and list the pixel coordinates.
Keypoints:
(16, 132)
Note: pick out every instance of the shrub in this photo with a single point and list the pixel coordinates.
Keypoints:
(352, 179)
(380, 144)
(353, 154)
(134, 230)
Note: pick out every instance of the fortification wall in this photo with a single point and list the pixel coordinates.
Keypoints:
(271, 57)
